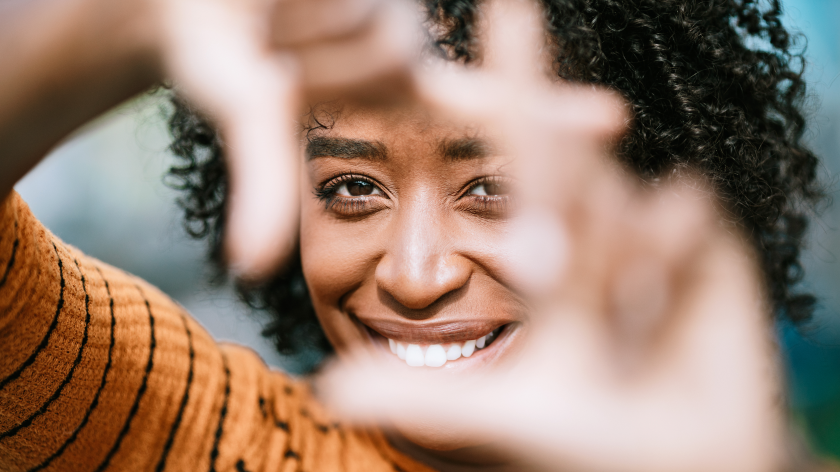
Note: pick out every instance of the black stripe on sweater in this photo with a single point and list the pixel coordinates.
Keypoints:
(140, 392)
(67, 378)
(184, 400)
(11, 258)
(95, 401)
(49, 332)
(387, 459)
(214, 453)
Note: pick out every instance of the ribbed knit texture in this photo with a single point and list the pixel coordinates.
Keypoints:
(100, 371)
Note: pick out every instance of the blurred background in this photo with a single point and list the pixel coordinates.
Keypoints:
(103, 191)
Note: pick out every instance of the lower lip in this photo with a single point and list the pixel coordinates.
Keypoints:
(479, 358)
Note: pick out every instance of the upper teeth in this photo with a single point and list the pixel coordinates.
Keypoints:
(436, 355)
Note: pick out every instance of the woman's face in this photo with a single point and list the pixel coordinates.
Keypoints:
(403, 227)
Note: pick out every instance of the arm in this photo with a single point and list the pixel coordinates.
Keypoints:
(100, 371)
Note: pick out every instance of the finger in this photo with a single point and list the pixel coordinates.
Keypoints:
(536, 106)
(725, 337)
(377, 391)
(374, 63)
(553, 129)
(220, 65)
(559, 135)
(663, 231)
(513, 36)
(297, 22)
(510, 70)
(263, 168)
(564, 141)
(489, 409)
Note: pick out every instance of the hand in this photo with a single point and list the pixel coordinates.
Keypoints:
(650, 346)
(251, 66)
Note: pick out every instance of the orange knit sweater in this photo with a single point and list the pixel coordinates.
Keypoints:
(100, 371)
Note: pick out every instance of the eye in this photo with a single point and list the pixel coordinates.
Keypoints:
(357, 188)
(351, 196)
(488, 197)
(493, 189)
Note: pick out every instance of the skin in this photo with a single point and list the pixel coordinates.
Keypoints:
(421, 259)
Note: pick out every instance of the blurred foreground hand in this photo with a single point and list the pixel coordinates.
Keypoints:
(247, 65)
(650, 345)
(251, 65)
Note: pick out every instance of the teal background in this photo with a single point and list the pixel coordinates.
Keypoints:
(813, 353)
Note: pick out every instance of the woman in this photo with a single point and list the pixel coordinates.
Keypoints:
(403, 218)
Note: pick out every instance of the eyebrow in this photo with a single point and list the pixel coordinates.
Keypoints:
(464, 149)
(345, 148)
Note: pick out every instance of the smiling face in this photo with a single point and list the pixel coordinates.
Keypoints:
(403, 228)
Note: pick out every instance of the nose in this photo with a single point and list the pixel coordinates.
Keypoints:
(421, 265)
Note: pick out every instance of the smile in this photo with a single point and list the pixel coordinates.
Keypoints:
(438, 345)
(437, 355)
(454, 339)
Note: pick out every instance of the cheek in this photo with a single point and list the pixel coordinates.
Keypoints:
(337, 257)
(334, 261)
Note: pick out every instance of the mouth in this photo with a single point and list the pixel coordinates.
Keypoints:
(416, 353)
(437, 355)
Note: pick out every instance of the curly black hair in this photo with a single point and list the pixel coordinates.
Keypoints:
(713, 85)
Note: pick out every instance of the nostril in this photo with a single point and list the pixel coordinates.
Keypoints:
(411, 301)
(419, 286)
(405, 309)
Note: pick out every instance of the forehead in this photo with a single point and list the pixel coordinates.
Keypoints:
(365, 121)
(348, 130)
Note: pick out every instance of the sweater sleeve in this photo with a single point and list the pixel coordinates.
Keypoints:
(100, 371)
